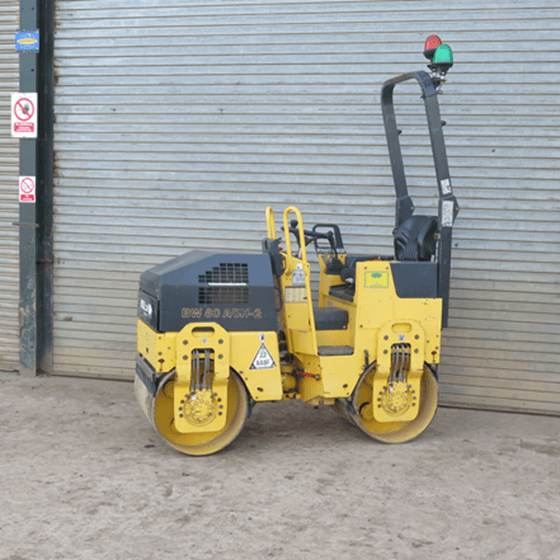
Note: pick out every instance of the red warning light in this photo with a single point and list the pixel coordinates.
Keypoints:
(430, 46)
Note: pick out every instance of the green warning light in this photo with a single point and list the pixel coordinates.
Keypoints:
(443, 56)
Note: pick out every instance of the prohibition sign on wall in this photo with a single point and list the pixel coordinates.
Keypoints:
(24, 109)
(27, 189)
(24, 115)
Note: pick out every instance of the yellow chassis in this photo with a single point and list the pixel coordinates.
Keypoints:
(377, 321)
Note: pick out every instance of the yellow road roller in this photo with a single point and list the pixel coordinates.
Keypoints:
(218, 333)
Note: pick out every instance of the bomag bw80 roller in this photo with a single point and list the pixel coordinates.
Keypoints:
(218, 333)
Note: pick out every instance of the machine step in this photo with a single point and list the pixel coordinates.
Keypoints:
(336, 350)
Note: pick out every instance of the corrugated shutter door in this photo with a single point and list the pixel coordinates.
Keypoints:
(9, 206)
(176, 126)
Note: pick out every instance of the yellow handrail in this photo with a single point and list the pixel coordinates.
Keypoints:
(301, 234)
(270, 225)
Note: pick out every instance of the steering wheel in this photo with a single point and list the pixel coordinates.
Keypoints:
(310, 236)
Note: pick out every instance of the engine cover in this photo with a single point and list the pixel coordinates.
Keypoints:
(233, 290)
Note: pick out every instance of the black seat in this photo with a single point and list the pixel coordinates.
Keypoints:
(272, 247)
(415, 239)
(351, 260)
(344, 291)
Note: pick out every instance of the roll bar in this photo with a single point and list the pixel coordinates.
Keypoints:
(448, 207)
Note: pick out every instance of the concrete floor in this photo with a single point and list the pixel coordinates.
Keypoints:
(84, 476)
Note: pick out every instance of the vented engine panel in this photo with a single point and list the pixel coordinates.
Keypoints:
(236, 291)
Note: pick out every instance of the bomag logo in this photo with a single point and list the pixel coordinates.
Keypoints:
(376, 280)
(146, 308)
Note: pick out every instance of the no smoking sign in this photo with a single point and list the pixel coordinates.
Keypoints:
(27, 189)
(24, 115)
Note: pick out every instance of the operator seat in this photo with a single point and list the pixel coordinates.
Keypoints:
(414, 239)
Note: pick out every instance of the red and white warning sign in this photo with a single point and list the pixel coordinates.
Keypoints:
(24, 115)
(27, 189)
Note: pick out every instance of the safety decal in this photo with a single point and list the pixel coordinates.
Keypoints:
(27, 189)
(24, 115)
(295, 295)
(263, 358)
(376, 279)
(447, 213)
(298, 277)
(446, 186)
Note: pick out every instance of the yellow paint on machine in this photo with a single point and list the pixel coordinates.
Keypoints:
(158, 349)
(373, 366)
(165, 351)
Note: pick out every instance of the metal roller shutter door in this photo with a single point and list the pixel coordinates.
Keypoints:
(9, 206)
(177, 125)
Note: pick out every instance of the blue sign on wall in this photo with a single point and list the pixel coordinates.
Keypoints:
(27, 41)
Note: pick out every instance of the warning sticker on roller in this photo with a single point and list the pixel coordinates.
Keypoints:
(27, 189)
(263, 359)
